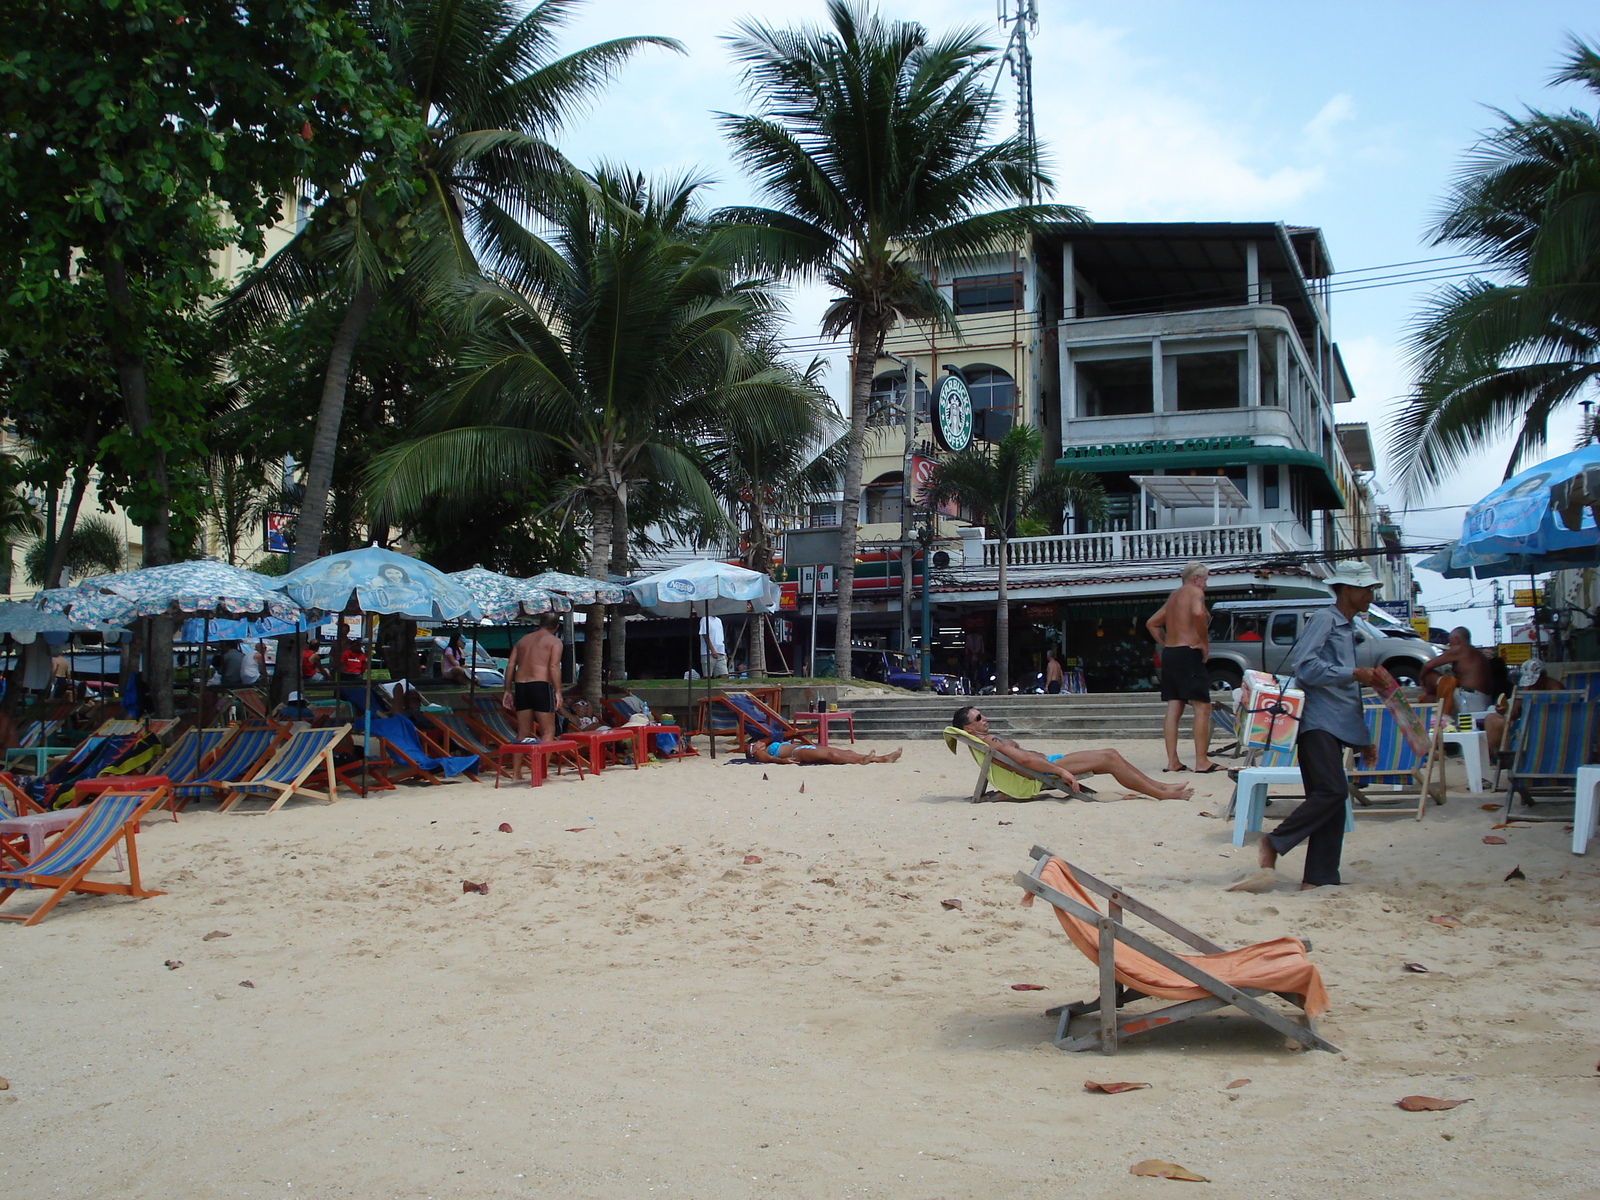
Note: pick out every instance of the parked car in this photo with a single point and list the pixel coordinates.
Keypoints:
(894, 669)
(1258, 635)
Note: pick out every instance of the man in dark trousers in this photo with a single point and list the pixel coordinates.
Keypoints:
(1324, 663)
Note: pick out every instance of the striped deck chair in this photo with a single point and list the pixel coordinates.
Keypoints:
(118, 728)
(457, 733)
(238, 759)
(53, 789)
(1553, 736)
(496, 724)
(1418, 776)
(63, 865)
(184, 757)
(410, 758)
(305, 752)
(37, 741)
(753, 718)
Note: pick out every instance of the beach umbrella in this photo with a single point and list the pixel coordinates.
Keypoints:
(502, 599)
(241, 629)
(23, 622)
(375, 580)
(1455, 563)
(580, 589)
(1549, 509)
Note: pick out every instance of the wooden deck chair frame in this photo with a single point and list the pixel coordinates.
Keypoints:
(125, 832)
(1428, 786)
(743, 720)
(295, 784)
(187, 790)
(1526, 782)
(465, 736)
(1114, 996)
(990, 761)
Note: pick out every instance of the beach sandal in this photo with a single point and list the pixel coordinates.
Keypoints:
(1173, 770)
(1211, 770)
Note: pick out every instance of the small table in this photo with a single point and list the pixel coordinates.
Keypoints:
(822, 719)
(1585, 815)
(538, 755)
(645, 732)
(127, 783)
(598, 739)
(39, 826)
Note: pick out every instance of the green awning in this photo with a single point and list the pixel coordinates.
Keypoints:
(1326, 496)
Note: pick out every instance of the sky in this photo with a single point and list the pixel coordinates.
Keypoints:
(1352, 117)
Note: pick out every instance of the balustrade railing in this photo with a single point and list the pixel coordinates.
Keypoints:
(1219, 541)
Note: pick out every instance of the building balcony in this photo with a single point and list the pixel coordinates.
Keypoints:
(1132, 546)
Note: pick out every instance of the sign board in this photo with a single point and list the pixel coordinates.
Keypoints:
(808, 547)
(1515, 652)
(1528, 597)
(1039, 612)
(824, 577)
(1420, 624)
(1194, 445)
(952, 414)
(921, 472)
(277, 533)
(1400, 609)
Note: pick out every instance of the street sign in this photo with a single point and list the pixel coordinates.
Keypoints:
(952, 414)
(824, 580)
(1528, 597)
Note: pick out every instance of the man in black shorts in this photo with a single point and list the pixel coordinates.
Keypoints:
(533, 680)
(1181, 628)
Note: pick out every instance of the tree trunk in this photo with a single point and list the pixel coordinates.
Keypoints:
(62, 549)
(867, 338)
(1002, 629)
(325, 440)
(617, 633)
(594, 618)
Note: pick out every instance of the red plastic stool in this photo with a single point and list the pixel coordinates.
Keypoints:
(538, 755)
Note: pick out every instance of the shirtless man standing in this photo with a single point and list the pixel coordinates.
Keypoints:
(533, 680)
(1474, 679)
(1180, 628)
(1069, 766)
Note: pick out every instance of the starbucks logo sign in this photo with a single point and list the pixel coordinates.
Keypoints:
(952, 413)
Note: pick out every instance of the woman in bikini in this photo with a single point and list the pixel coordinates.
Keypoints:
(788, 753)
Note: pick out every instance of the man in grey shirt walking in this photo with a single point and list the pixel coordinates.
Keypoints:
(1324, 663)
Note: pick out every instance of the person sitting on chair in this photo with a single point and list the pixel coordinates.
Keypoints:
(782, 754)
(1069, 766)
(1531, 677)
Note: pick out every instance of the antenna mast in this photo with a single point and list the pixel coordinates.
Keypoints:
(1022, 17)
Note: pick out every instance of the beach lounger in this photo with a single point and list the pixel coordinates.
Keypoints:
(36, 741)
(193, 749)
(97, 756)
(751, 719)
(496, 725)
(457, 733)
(237, 758)
(1417, 776)
(111, 822)
(1132, 967)
(301, 755)
(411, 758)
(1553, 734)
(999, 772)
(118, 728)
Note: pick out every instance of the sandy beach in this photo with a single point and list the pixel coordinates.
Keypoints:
(636, 1009)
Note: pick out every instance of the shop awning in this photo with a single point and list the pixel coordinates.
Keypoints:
(1143, 457)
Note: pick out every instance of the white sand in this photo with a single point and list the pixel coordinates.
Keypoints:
(634, 1012)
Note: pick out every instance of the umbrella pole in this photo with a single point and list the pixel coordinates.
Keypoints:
(366, 728)
(205, 676)
(472, 678)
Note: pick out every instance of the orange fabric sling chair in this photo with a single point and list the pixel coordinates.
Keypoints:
(1133, 967)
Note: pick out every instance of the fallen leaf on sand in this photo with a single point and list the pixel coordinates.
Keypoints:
(1414, 968)
(827, 879)
(1427, 1104)
(172, 964)
(929, 862)
(1489, 807)
(1027, 987)
(802, 789)
(1205, 814)
(246, 983)
(1111, 1089)
(1512, 825)
(1490, 840)
(751, 858)
(577, 829)
(1514, 873)
(505, 827)
(1157, 1169)
(5, 1085)
(1238, 1083)
(214, 935)
(1260, 883)
(763, 775)
(1447, 920)
(1002, 822)
(481, 888)
(950, 903)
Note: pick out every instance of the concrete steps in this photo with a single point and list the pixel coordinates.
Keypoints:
(1102, 715)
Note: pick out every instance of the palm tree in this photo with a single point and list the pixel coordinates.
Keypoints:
(873, 144)
(616, 359)
(483, 75)
(95, 546)
(1495, 357)
(997, 485)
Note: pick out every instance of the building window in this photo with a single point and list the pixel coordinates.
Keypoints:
(1115, 387)
(1269, 486)
(986, 293)
(824, 516)
(994, 399)
(1196, 382)
(881, 500)
(888, 397)
(1269, 373)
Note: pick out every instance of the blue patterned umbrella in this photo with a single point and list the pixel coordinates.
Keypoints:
(197, 588)
(501, 599)
(24, 622)
(375, 580)
(580, 589)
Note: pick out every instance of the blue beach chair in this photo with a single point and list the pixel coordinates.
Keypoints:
(237, 759)
(413, 759)
(1398, 765)
(287, 772)
(1552, 739)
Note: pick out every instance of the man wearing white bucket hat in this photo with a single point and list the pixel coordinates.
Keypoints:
(1324, 662)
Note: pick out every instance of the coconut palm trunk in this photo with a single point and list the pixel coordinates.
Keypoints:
(868, 339)
(325, 440)
(594, 617)
(616, 632)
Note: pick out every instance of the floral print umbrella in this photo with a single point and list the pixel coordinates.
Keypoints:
(580, 589)
(198, 588)
(502, 599)
(375, 580)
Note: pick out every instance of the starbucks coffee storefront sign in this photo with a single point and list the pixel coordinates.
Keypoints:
(952, 414)
(1198, 445)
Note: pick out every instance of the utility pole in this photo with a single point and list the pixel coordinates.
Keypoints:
(1022, 16)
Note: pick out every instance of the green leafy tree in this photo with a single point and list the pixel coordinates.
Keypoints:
(494, 93)
(1000, 485)
(95, 546)
(874, 143)
(623, 348)
(1503, 357)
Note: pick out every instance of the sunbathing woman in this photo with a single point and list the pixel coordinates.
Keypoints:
(1070, 766)
(789, 753)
